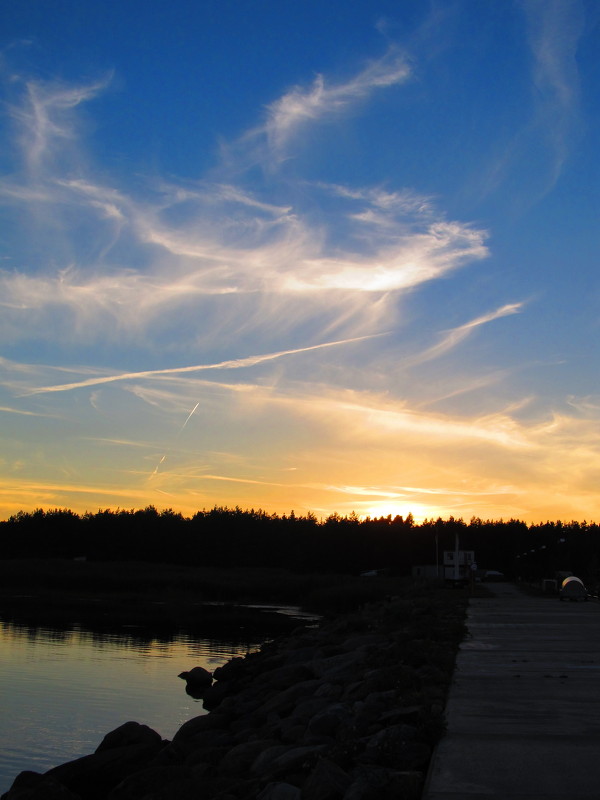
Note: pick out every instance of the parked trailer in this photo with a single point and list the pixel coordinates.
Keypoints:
(572, 588)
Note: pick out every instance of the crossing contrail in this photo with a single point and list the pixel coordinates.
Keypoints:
(180, 431)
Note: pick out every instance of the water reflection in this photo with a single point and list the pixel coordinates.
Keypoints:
(64, 688)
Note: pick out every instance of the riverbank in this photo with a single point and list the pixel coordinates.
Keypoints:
(350, 709)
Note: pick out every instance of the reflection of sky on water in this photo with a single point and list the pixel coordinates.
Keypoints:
(63, 690)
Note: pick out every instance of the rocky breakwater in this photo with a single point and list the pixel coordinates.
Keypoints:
(348, 710)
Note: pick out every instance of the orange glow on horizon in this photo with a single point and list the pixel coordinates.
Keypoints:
(419, 512)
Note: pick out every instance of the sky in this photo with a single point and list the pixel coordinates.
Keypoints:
(313, 256)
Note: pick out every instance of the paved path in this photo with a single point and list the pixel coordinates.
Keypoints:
(524, 706)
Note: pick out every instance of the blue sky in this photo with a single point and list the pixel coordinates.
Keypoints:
(311, 256)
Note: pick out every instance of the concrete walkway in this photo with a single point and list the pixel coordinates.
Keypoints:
(524, 707)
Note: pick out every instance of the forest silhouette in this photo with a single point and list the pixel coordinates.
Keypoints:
(232, 537)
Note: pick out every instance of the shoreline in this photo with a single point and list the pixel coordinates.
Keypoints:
(355, 701)
(110, 595)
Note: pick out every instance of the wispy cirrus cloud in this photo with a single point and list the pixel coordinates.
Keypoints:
(203, 272)
(192, 244)
(454, 337)
(46, 123)
(555, 28)
(130, 264)
(22, 412)
(300, 106)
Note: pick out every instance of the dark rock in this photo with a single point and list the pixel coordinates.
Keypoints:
(221, 787)
(380, 710)
(306, 709)
(338, 667)
(303, 654)
(231, 670)
(287, 760)
(241, 757)
(204, 722)
(380, 702)
(197, 676)
(397, 676)
(159, 783)
(290, 733)
(285, 701)
(364, 641)
(179, 751)
(215, 694)
(263, 661)
(410, 715)
(280, 791)
(377, 783)
(128, 733)
(327, 781)
(395, 747)
(329, 721)
(34, 786)
(95, 775)
(332, 691)
(207, 755)
(285, 676)
(262, 762)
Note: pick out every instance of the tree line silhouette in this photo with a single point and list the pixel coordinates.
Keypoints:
(226, 537)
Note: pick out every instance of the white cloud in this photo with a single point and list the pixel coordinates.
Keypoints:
(194, 244)
(300, 106)
(45, 120)
(452, 338)
(9, 410)
(555, 28)
(137, 265)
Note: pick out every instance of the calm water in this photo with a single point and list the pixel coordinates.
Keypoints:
(62, 691)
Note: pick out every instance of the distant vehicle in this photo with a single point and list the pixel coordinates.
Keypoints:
(572, 588)
(493, 575)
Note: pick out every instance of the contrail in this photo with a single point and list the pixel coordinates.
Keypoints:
(237, 363)
(188, 418)
(179, 432)
(158, 465)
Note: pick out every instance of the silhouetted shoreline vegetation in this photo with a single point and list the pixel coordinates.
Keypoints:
(225, 538)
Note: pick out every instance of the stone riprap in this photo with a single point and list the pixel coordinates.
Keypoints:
(349, 709)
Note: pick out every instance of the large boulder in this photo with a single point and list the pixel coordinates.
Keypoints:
(241, 757)
(30, 785)
(129, 733)
(160, 782)
(327, 781)
(396, 747)
(330, 721)
(280, 761)
(93, 776)
(378, 783)
(280, 791)
(197, 676)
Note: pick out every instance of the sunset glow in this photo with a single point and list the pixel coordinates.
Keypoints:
(329, 259)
